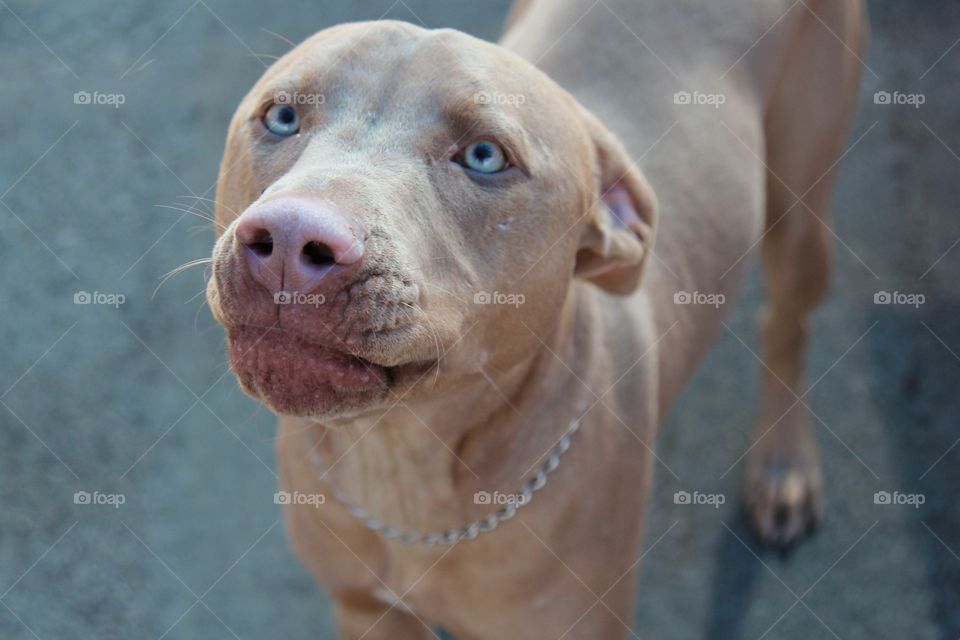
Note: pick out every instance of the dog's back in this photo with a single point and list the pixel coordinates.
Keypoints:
(644, 44)
(701, 92)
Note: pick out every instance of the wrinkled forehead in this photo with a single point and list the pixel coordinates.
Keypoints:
(389, 70)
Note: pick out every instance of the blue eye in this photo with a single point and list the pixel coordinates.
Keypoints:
(484, 156)
(282, 120)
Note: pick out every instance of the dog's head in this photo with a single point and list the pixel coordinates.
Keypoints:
(399, 207)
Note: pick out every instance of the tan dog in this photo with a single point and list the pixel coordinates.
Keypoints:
(437, 254)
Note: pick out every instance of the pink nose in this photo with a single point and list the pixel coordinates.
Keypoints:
(292, 244)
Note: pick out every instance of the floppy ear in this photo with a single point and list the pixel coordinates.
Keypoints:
(618, 235)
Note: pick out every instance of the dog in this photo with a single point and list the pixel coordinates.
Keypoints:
(472, 278)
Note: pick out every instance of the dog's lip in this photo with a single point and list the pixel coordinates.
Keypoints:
(246, 342)
(254, 347)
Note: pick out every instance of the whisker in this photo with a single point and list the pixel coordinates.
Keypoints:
(431, 261)
(197, 230)
(455, 297)
(187, 265)
(212, 202)
(292, 45)
(196, 316)
(191, 212)
(196, 295)
(436, 343)
(207, 202)
(434, 333)
(178, 270)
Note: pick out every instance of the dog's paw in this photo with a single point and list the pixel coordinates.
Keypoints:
(784, 496)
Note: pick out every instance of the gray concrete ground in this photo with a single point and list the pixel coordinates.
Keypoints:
(133, 400)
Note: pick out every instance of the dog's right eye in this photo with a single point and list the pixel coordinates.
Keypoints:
(282, 120)
(484, 156)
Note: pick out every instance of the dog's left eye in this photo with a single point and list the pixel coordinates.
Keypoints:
(484, 156)
(282, 120)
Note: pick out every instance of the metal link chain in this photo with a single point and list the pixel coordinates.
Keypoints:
(475, 528)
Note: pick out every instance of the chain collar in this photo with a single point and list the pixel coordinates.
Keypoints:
(473, 529)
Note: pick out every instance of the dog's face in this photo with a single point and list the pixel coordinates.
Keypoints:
(399, 208)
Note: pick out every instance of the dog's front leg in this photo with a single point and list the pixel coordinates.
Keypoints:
(784, 477)
(363, 616)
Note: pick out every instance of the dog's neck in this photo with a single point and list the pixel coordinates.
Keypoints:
(417, 465)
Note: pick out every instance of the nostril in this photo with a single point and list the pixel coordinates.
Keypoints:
(318, 254)
(261, 243)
